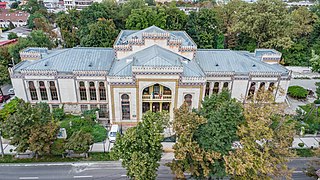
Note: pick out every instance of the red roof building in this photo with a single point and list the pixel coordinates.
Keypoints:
(18, 18)
(3, 5)
(7, 42)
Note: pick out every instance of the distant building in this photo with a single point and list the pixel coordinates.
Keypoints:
(3, 5)
(18, 18)
(8, 42)
(54, 6)
(78, 4)
(187, 10)
(301, 3)
(146, 70)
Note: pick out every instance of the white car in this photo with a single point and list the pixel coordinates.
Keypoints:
(113, 133)
(11, 91)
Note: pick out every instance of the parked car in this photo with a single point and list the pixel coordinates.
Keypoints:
(11, 91)
(4, 98)
(113, 133)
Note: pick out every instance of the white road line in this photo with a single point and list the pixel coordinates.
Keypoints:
(78, 177)
(28, 177)
(123, 175)
(297, 171)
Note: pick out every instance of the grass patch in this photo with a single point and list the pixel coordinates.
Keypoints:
(94, 156)
(305, 152)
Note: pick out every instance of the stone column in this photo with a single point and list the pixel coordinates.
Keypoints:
(211, 88)
(36, 85)
(220, 86)
(266, 86)
(86, 84)
(96, 85)
(48, 90)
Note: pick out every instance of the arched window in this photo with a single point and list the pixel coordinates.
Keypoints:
(216, 88)
(251, 89)
(188, 100)
(33, 91)
(166, 91)
(207, 89)
(53, 90)
(125, 106)
(92, 91)
(271, 87)
(102, 91)
(83, 92)
(226, 85)
(43, 91)
(262, 86)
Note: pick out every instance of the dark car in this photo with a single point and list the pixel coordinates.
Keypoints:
(4, 98)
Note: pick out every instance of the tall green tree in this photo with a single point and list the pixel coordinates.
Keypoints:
(302, 22)
(189, 156)
(140, 147)
(40, 38)
(42, 136)
(267, 22)
(24, 123)
(101, 34)
(143, 18)
(36, 38)
(176, 19)
(80, 142)
(203, 28)
(68, 24)
(318, 89)
(315, 62)
(33, 6)
(265, 138)
(223, 115)
(227, 16)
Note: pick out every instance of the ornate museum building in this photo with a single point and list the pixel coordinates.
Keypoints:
(151, 69)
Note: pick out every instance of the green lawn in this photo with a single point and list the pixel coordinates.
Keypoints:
(305, 152)
(96, 156)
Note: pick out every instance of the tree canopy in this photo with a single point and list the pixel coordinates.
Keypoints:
(140, 147)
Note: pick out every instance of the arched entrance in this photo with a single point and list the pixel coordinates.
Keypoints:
(156, 98)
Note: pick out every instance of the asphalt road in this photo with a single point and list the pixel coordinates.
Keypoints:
(97, 171)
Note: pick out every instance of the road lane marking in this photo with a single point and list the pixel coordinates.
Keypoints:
(78, 177)
(297, 171)
(123, 175)
(28, 177)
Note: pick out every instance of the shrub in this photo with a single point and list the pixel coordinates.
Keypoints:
(301, 145)
(76, 123)
(58, 113)
(12, 35)
(58, 147)
(99, 133)
(317, 101)
(297, 92)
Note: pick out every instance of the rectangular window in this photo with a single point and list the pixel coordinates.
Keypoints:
(102, 92)
(55, 106)
(43, 93)
(93, 106)
(125, 110)
(33, 94)
(103, 112)
(83, 93)
(53, 91)
(93, 94)
(83, 107)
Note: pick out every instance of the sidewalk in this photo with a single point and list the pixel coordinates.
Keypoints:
(96, 147)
